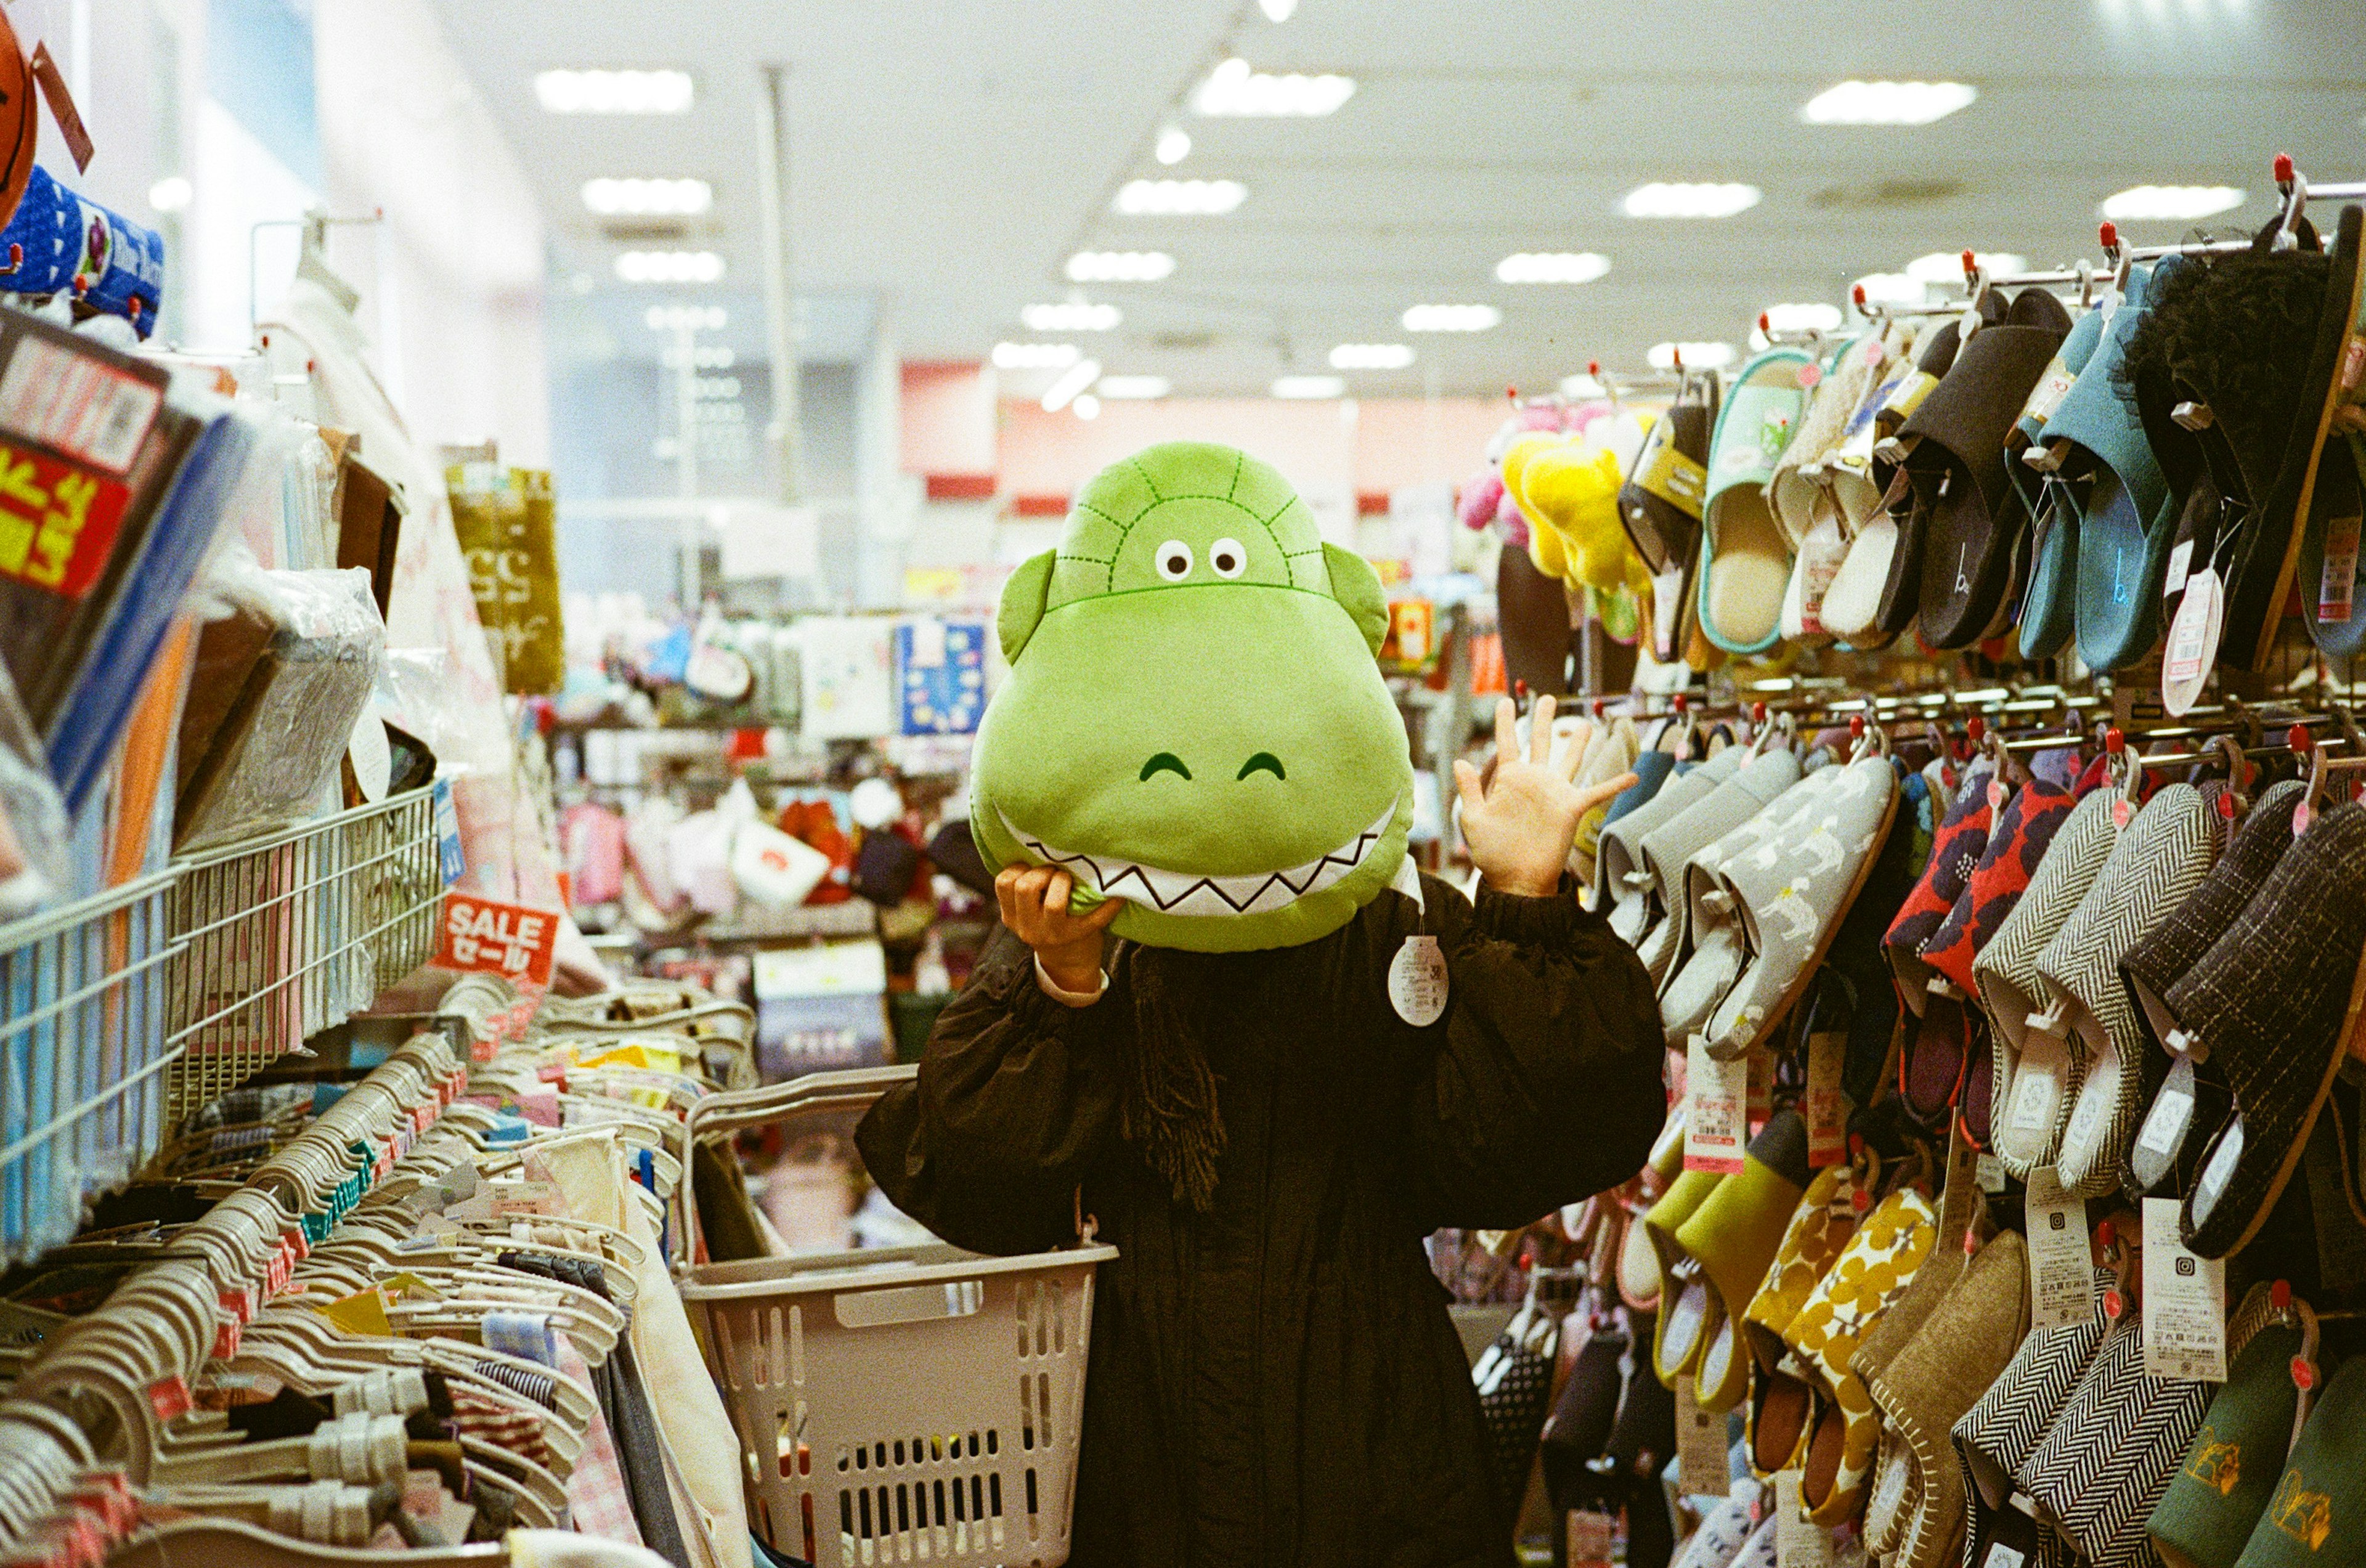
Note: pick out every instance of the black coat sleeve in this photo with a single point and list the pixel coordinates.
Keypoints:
(1017, 1096)
(1547, 1083)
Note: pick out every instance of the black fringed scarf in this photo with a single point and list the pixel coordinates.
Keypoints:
(1170, 1112)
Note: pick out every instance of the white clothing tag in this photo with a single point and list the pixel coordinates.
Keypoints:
(1417, 981)
(1667, 608)
(2181, 561)
(2086, 1118)
(1798, 1543)
(1407, 881)
(1826, 1109)
(1990, 1171)
(2193, 641)
(1700, 1444)
(2061, 1270)
(2165, 1123)
(1717, 1103)
(2221, 1168)
(2034, 1095)
(2003, 1556)
(2184, 1302)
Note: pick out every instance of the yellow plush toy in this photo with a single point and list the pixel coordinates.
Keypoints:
(1545, 547)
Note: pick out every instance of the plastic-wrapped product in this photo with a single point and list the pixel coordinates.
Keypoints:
(33, 827)
(280, 679)
(59, 244)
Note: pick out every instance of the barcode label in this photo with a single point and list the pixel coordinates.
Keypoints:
(86, 410)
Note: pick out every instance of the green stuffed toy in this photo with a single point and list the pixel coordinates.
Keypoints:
(1194, 720)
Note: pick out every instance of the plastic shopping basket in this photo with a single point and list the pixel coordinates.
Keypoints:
(904, 1404)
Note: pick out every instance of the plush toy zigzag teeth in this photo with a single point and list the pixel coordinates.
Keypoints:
(1181, 893)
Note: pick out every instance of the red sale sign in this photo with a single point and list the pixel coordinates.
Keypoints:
(508, 940)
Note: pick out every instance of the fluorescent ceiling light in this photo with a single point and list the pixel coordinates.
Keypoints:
(1233, 88)
(1814, 316)
(1660, 199)
(1892, 288)
(1071, 316)
(1079, 376)
(171, 194)
(1035, 356)
(614, 92)
(1888, 103)
(1450, 318)
(1308, 386)
(669, 266)
(1947, 266)
(1278, 11)
(1370, 356)
(1171, 198)
(1555, 267)
(1696, 356)
(1173, 144)
(1087, 406)
(1118, 266)
(647, 198)
(1133, 388)
(675, 318)
(2181, 204)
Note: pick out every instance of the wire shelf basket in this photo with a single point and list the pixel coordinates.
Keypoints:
(83, 1050)
(285, 936)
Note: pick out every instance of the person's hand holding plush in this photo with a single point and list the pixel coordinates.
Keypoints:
(1035, 900)
(1522, 817)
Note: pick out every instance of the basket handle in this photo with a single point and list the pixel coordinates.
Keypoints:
(714, 1115)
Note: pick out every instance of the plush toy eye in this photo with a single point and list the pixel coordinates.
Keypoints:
(1175, 560)
(1228, 558)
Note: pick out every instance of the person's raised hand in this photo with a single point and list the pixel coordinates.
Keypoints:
(1035, 900)
(1521, 821)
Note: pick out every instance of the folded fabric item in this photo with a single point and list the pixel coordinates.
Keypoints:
(1995, 1438)
(2016, 844)
(1734, 1236)
(1873, 1270)
(1624, 884)
(1720, 946)
(1967, 1341)
(2272, 1002)
(2219, 1492)
(2321, 1496)
(1961, 838)
(527, 1335)
(2162, 856)
(1821, 1227)
(1666, 848)
(2036, 1072)
(1790, 892)
(2107, 1460)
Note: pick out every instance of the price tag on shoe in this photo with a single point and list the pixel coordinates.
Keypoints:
(1701, 1446)
(2184, 1301)
(2061, 1268)
(1798, 1542)
(1717, 1109)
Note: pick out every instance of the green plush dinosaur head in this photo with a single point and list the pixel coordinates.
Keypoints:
(1193, 721)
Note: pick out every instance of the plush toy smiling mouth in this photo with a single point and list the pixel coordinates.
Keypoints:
(1193, 723)
(1185, 893)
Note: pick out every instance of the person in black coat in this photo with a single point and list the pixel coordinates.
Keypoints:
(1274, 1378)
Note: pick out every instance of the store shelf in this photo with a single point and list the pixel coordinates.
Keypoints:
(82, 1046)
(121, 1013)
(287, 935)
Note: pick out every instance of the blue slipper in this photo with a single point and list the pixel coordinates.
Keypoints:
(2046, 611)
(2127, 521)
